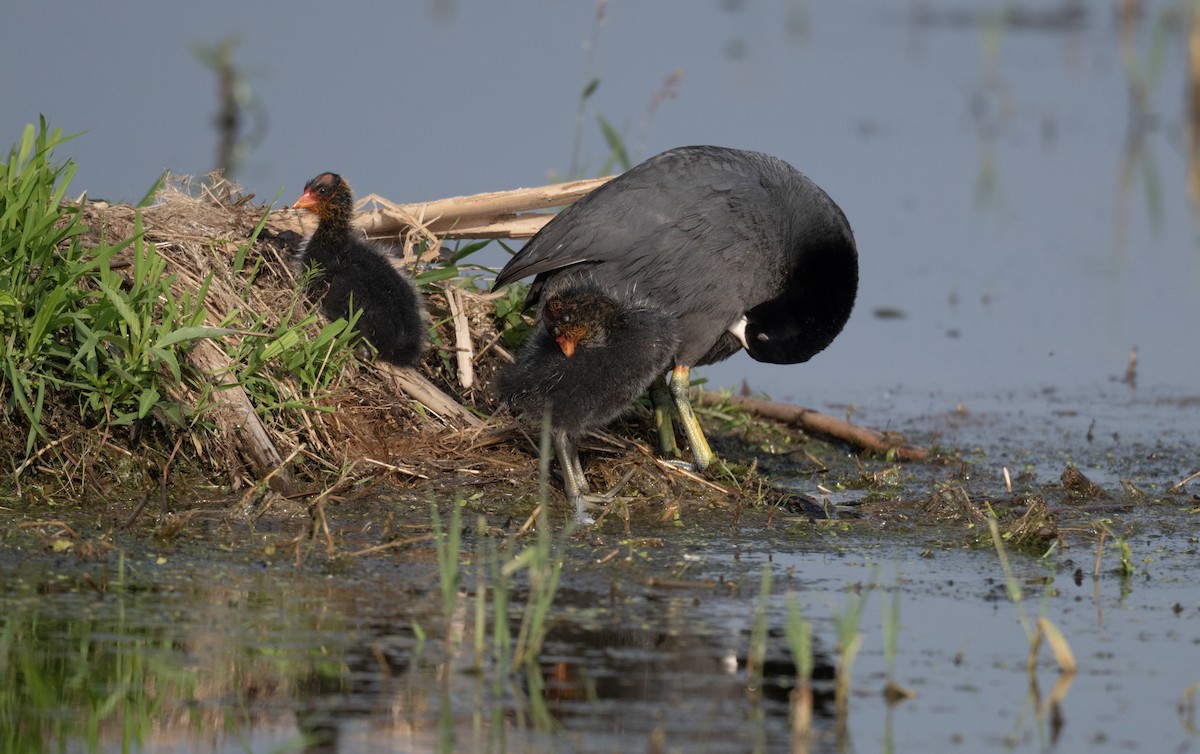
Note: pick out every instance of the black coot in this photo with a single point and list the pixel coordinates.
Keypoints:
(740, 247)
(591, 355)
(354, 274)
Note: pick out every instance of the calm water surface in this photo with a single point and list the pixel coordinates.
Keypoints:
(1019, 190)
(161, 655)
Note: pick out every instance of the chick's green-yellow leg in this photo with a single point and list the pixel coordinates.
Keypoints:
(680, 388)
(660, 399)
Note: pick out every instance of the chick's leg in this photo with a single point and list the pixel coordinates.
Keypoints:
(575, 484)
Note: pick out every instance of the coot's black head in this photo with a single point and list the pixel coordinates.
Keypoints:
(803, 320)
(328, 196)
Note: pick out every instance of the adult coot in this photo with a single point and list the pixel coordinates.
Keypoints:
(354, 274)
(591, 355)
(740, 247)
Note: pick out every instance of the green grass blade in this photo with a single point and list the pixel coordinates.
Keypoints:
(148, 198)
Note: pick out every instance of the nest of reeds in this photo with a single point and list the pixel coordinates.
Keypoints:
(334, 421)
(439, 426)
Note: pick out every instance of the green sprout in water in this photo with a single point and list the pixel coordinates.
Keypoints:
(799, 638)
(847, 622)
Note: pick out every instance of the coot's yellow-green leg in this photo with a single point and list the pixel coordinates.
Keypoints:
(660, 400)
(680, 388)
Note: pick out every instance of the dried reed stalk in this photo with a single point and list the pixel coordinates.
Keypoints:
(819, 423)
(497, 214)
(463, 350)
(413, 384)
(235, 412)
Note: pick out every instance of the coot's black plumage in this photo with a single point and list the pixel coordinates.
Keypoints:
(353, 274)
(740, 247)
(591, 355)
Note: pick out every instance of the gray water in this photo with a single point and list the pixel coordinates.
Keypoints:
(1027, 222)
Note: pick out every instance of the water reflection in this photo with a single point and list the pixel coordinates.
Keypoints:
(88, 675)
(150, 664)
(1142, 73)
(301, 665)
(670, 657)
(165, 656)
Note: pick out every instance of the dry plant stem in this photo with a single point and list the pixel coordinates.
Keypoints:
(819, 423)
(137, 511)
(488, 346)
(162, 487)
(317, 510)
(413, 384)
(320, 512)
(397, 469)
(392, 545)
(42, 451)
(491, 215)
(529, 522)
(1180, 485)
(1058, 645)
(254, 490)
(281, 468)
(656, 583)
(664, 466)
(62, 527)
(464, 351)
(802, 707)
(235, 412)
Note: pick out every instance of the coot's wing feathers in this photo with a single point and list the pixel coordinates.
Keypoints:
(659, 207)
(679, 222)
(708, 234)
(594, 229)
